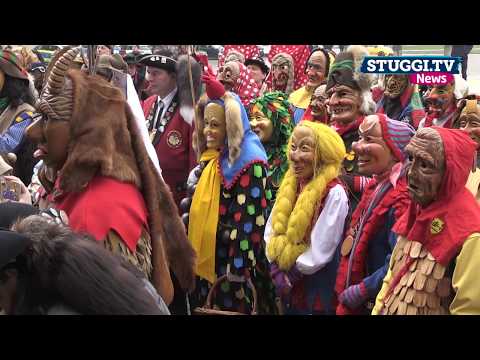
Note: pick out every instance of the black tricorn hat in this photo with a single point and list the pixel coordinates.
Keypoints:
(12, 244)
(259, 62)
(159, 61)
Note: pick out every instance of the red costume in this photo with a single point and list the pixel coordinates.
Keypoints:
(174, 148)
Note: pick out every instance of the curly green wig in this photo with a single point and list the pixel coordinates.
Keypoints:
(275, 107)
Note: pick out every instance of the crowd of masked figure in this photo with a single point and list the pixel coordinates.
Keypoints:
(313, 189)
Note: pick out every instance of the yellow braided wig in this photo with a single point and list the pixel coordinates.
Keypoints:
(292, 216)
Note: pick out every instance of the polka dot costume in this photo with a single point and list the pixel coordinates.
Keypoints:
(249, 51)
(246, 87)
(300, 54)
(240, 248)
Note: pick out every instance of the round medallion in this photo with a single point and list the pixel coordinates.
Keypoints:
(174, 139)
(347, 245)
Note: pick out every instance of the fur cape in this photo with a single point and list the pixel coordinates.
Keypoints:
(105, 140)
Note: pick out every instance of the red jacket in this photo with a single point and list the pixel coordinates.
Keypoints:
(174, 150)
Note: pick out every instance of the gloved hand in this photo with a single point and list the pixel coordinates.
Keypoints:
(294, 274)
(354, 296)
(214, 88)
(203, 59)
(282, 280)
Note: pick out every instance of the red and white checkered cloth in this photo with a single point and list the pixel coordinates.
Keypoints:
(249, 51)
(300, 54)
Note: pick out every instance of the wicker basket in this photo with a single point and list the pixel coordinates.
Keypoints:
(207, 308)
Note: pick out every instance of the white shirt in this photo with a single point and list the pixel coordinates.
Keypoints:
(134, 103)
(326, 234)
(167, 100)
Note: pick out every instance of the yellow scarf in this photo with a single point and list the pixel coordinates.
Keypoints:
(203, 219)
(301, 98)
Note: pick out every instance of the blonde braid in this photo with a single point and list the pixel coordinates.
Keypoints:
(291, 215)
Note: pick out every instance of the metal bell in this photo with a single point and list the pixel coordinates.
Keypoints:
(191, 189)
(198, 171)
(226, 236)
(185, 204)
(185, 217)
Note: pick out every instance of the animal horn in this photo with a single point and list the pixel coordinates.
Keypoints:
(56, 76)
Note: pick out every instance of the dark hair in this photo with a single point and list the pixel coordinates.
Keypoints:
(10, 212)
(327, 60)
(17, 91)
(63, 267)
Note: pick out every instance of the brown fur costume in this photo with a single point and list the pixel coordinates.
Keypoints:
(106, 141)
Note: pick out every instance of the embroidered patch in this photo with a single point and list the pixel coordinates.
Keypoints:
(436, 226)
(174, 139)
(23, 116)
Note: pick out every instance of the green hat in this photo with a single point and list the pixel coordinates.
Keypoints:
(10, 65)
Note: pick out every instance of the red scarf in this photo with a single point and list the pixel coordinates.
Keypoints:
(449, 113)
(105, 204)
(308, 116)
(455, 207)
(397, 198)
(353, 126)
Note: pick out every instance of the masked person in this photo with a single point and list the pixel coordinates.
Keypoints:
(98, 171)
(237, 78)
(369, 242)
(306, 225)
(349, 101)
(227, 206)
(16, 111)
(433, 267)
(238, 53)
(46, 269)
(316, 69)
(469, 121)
(270, 119)
(282, 74)
(169, 116)
(317, 111)
(441, 103)
(288, 64)
(399, 100)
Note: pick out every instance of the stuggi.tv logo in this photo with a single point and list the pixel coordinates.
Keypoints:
(425, 70)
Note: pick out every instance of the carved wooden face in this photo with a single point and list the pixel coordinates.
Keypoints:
(344, 103)
(261, 125)
(427, 166)
(374, 156)
(395, 85)
(215, 126)
(316, 67)
(302, 152)
(280, 71)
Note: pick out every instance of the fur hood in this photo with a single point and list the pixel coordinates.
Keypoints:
(184, 88)
(105, 139)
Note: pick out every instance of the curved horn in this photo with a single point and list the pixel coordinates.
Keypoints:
(59, 66)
